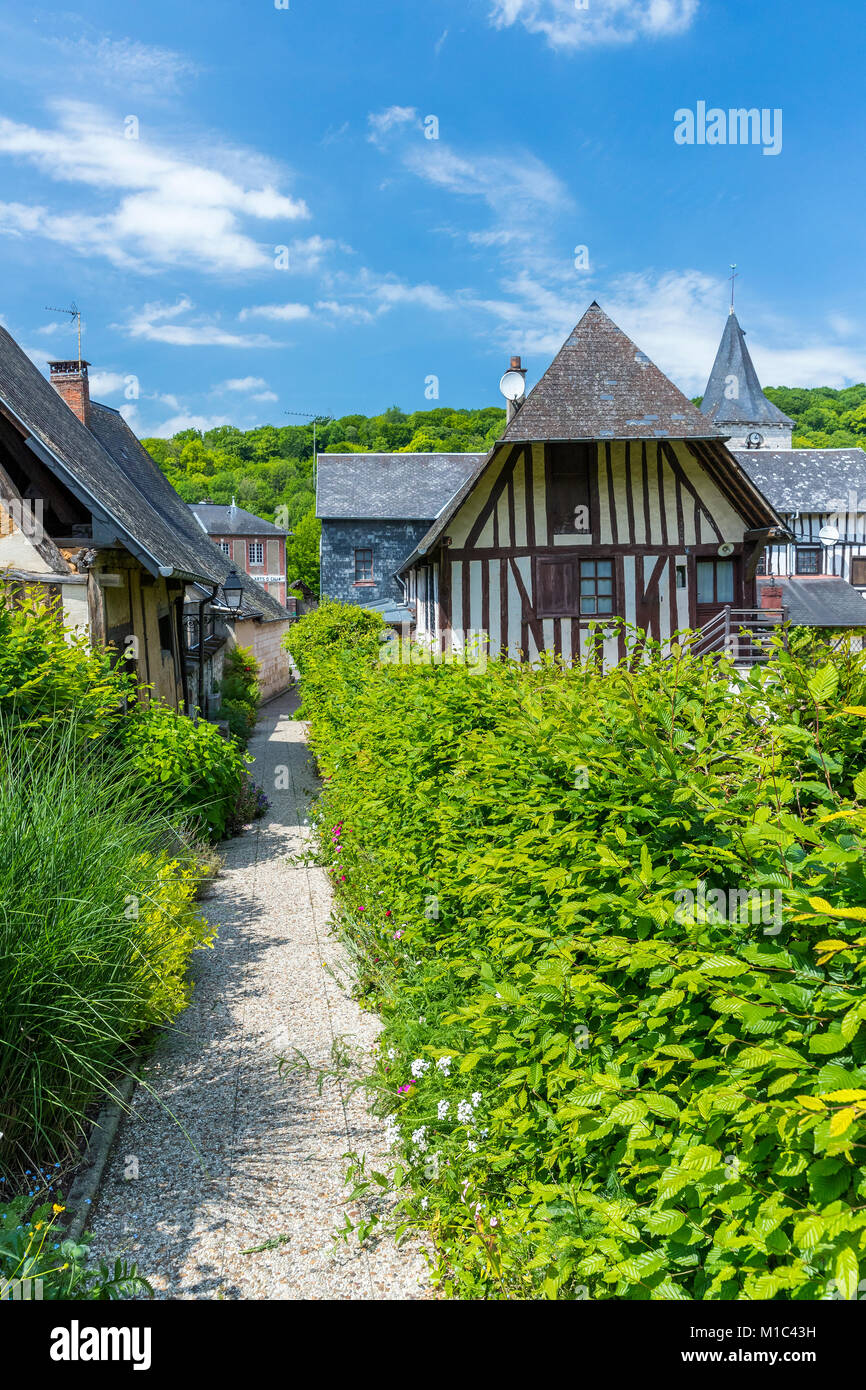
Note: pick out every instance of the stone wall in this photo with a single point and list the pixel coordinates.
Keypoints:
(266, 642)
(391, 543)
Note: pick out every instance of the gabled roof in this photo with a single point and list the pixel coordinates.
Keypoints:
(129, 453)
(114, 477)
(232, 521)
(822, 601)
(750, 406)
(807, 480)
(389, 487)
(601, 386)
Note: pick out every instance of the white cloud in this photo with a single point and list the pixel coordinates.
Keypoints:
(393, 117)
(166, 207)
(678, 319)
(157, 323)
(354, 312)
(266, 396)
(283, 313)
(189, 422)
(105, 383)
(392, 291)
(307, 254)
(136, 67)
(565, 25)
(242, 383)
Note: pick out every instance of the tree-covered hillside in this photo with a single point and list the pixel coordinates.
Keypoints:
(824, 418)
(270, 470)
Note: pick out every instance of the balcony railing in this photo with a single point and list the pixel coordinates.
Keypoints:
(744, 634)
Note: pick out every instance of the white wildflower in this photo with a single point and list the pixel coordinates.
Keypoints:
(425, 1202)
(391, 1054)
(419, 1139)
(464, 1111)
(476, 1098)
(473, 1148)
(444, 1064)
(442, 1109)
(418, 1068)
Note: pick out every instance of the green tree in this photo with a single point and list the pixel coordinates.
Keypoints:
(302, 551)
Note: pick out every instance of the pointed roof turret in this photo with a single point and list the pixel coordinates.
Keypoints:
(733, 395)
(601, 386)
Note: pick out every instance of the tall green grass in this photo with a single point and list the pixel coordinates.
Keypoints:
(96, 925)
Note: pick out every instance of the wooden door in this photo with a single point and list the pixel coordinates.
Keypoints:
(717, 586)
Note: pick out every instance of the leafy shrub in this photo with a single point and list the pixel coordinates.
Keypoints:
(96, 927)
(597, 1076)
(47, 672)
(333, 627)
(195, 771)
(33, 1247)
(241, 692)
(252, 804)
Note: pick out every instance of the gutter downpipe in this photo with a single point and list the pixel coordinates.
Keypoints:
(201, 690)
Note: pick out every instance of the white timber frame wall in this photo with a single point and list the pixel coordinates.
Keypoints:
(655, 508)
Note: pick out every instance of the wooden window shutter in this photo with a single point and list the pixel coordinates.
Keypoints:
(556, 587)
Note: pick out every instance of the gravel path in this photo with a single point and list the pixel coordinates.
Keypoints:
(269, 1162)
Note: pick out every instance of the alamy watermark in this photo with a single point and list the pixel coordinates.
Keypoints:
(736, 126)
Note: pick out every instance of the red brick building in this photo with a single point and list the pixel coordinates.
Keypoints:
(255, 547)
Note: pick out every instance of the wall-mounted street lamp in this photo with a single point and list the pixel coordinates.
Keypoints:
(233, 589)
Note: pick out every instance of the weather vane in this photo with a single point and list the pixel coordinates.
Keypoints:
(75, 313)
(733, 276)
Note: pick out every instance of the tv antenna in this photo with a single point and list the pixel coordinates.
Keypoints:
(315, 416)
(74, 313)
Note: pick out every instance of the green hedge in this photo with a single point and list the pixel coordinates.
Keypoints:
(97, 923)
(649, 1096)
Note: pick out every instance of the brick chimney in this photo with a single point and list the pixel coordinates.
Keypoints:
(70, 380)
(770, 595)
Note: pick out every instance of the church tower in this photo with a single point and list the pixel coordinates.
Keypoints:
(734, 401)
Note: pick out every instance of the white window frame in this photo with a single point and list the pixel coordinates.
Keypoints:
(255, 552)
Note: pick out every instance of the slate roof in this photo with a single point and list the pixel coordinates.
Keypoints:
(143, 473)
(232, 521)
(601, 386)
(751, 406)
(822, 601)
(389, 487)
(807, 480)
(114, 476)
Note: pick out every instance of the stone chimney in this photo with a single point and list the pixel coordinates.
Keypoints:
(70, 380)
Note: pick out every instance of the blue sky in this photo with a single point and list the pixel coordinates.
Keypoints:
(406, 257)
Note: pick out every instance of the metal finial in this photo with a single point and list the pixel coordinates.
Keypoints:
(733, 276)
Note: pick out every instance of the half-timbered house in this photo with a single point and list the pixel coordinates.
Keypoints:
(88, 519)
(608, 496)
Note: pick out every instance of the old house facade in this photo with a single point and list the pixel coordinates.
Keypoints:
(609, 495)
(820, 495)
(254, 545)
(86, 515)
(374, 509)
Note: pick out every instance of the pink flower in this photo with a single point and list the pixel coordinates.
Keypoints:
(397, 935)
